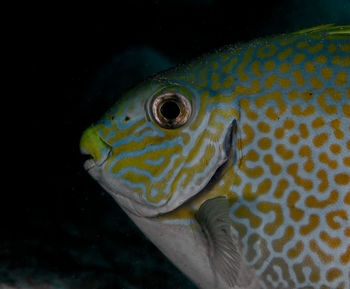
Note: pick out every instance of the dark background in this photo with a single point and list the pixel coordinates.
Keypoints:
(58, 228)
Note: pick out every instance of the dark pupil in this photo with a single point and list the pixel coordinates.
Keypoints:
(170, 110)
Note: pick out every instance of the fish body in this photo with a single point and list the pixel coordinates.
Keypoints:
(237, 165)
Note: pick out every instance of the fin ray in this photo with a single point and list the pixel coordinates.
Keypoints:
(330, 29)
(213, 217)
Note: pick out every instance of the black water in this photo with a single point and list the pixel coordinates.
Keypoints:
(57, 226)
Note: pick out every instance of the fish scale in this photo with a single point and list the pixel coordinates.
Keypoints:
(288, 181)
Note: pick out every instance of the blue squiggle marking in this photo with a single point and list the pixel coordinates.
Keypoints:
(135, 170)
(132, 138)
(150, 148)
(134, 185)
(156, 130)
(156, 162)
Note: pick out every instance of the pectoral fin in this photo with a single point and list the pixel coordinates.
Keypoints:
(213, 217)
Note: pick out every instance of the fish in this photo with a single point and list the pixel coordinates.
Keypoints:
(236, 165)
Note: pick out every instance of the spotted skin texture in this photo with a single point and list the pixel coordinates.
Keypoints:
(289, 183)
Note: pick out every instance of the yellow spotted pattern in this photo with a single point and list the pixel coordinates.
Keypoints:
(289, 182)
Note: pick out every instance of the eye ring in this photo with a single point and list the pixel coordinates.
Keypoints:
(171, 110)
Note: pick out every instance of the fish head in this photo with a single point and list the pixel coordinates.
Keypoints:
(158, 146)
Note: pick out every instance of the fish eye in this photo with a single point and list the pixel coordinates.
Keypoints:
(171, 110)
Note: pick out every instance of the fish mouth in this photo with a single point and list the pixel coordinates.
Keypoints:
(88, 161)
(91, 163)
(94, 148)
